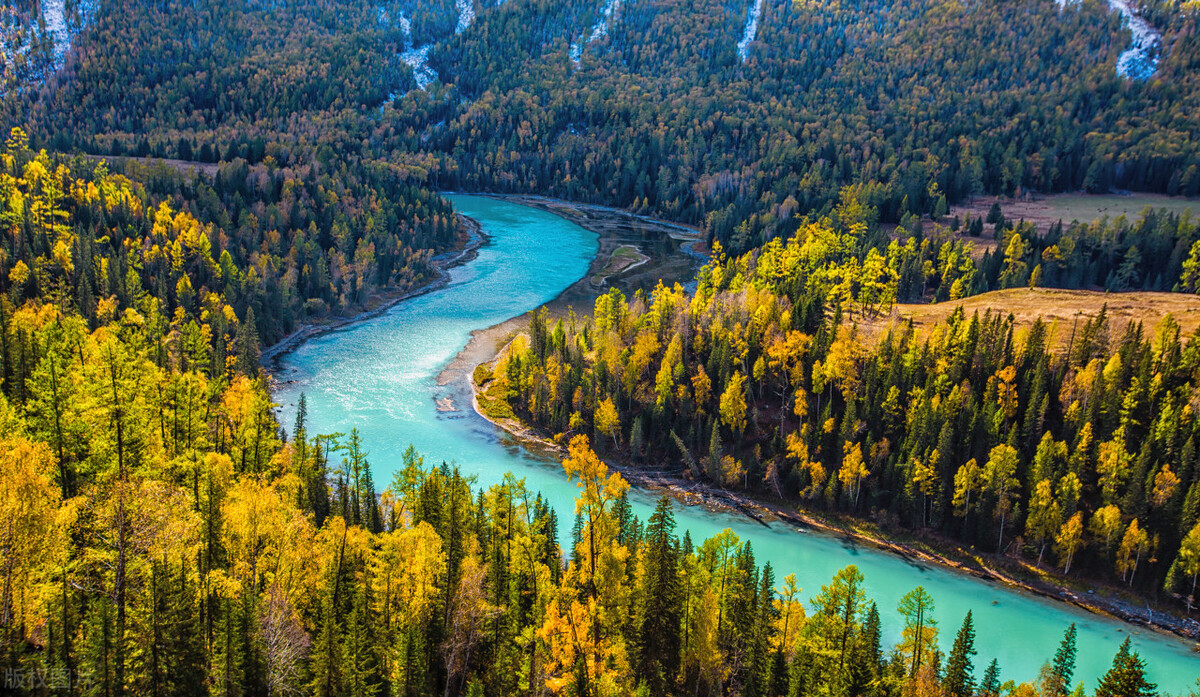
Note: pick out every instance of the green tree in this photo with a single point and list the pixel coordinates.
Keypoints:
(1000, 475)
(919, 639)
(659, 641)
(1062, 669)
(990, 685)
(1126, 677)
(959, 680)
(1188, 561)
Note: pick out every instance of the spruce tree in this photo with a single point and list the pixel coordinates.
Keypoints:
(659, 647)
(1062, 670)
(959, 680)
(1126, 677)
(990, 685)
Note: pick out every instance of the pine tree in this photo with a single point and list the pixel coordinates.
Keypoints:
(868, 659)
(1126, 677)
(959, 680)
(1062, 670)
(659, 641)
(247, 345)
(990, 685)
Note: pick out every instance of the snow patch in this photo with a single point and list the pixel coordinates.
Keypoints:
(22, 62)
(418, 60)
(599, 30)
(466, 14)
(1140, 60)
(751, 31)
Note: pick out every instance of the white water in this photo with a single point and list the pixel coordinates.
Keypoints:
(751, 31)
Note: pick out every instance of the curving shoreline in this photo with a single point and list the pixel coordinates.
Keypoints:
(690, 492)
(615, 228)
(441, 264)
(479, 350)
(487, 346)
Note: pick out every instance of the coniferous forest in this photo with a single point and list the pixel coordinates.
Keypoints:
(185, 184)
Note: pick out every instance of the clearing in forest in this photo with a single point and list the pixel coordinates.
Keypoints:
(1056, 307)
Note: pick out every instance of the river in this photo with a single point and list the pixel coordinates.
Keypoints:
(380, 376)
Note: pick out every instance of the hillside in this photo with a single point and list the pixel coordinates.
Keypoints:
(738, 117)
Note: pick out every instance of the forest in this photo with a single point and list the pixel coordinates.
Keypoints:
(1075, 446)
(924, 104)
(161, 538)
(220, 266)
(163, 534)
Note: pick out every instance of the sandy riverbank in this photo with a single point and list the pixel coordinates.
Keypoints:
(672, 253)
(486, 346)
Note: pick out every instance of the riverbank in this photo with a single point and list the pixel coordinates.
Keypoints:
(928, 549)
(666, 251)
(381, 302)
(487, 347)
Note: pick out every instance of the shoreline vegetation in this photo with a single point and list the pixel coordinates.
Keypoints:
(477, 359)
(487, 346)
(929, 549)
(381, 302)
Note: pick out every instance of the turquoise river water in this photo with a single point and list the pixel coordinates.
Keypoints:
(381, 377)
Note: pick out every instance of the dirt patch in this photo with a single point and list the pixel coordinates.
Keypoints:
(624, 258)
(186, 166)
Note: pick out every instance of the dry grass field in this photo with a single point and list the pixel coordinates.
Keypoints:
(1058, 308)
(1044, 211)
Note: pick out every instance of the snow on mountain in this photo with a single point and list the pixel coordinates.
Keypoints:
(1140, 60)
(599, 29)
(751, 31)
(418, 60)
(466, 14)
(22, 61)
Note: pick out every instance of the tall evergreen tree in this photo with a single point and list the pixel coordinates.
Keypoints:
(990, 685)
(1127, 676)
(1062, 669)
(659, 640)
(960, 680)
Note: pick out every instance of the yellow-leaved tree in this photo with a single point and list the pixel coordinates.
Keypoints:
(30, 534)
(581, 630)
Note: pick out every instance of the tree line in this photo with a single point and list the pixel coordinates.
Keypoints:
(925, 104)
